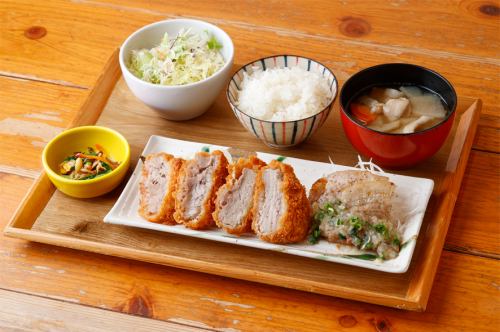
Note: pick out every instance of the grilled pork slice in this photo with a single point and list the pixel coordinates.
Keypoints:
(281, 211)
(233, 206)
(355, 208)
(157, 187)
(198, 183)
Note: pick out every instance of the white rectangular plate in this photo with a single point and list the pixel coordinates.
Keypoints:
(411, 198)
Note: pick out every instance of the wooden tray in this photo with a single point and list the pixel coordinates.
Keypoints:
(50, 217)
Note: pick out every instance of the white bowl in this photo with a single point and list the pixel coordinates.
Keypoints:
(176, 102)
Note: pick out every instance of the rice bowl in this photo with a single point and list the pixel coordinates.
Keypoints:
(282, 134)
(283, 94)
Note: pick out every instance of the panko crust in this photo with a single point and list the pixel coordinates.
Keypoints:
(294, 224)
(317, 190)
(235, 170)
(204, 220)
(167, 209)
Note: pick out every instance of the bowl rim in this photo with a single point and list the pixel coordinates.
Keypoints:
(136, 34)
(61, 135)
(450, 114)
(290, 121)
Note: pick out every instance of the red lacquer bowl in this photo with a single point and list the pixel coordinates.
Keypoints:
(397, 151)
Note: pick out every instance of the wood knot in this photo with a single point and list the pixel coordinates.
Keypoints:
(139, 303)
(489, 9)
(35, 32)
(347, 321)
(354, 27)
(381, 325)
(81, 227)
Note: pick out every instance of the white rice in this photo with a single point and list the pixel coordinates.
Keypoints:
(283, 94)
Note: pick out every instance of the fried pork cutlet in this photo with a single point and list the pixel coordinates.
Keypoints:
(281, 210)
(233, 206)
(199, 180)
(157, 187)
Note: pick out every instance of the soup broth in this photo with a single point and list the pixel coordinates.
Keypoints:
(398, 109)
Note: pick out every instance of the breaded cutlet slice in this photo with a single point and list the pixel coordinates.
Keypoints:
(198, 182)
(233, 205)
(157, 187)
(281, 210)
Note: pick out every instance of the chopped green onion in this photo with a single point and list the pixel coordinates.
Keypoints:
(380, 228)
(280, 158)
(355, 240)
(366, 257)
(367, 243)
(315, 232)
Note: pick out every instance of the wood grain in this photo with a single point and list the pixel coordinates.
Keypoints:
(488, 136)
(86, 48)
(72, 54)
(72, 32)
(31, 114)
(474, 227)
(466, 27)
(51, 315)
(65, 221)
(465, 286)
(12, 190)
(73, 51)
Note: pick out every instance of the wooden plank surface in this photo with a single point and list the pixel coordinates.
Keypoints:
(22, 312)
(68, 217)
(488, 137)
(352, 22)
(73, 52)
(475, 227)
(81, 49)
(31, 114)
(210, 301)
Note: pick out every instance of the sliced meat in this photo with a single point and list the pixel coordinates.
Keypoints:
(233, 206)
(396, 108)
(362, 192)
(157, 187)
(198, 183)
(355, 208)
(375, 106)
(281, 211)
(384, 94)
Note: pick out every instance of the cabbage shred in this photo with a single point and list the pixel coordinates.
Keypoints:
(186, 58)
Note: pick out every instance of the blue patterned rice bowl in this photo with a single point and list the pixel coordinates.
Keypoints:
(283, 134)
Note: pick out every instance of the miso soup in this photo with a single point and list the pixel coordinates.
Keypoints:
(399, 110)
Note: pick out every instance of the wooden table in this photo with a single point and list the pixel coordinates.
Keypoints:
(51, 53)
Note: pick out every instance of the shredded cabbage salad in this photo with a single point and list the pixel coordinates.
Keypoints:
(183, 59)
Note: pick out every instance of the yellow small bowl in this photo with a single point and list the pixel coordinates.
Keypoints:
(78, 139)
